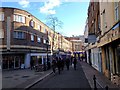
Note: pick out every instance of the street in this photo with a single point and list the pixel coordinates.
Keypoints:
(67, 79)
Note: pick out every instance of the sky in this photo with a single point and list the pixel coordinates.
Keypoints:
(73, 13)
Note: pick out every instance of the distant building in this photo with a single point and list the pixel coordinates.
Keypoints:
(77, 46)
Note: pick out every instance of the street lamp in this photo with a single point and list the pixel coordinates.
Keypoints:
(48, 61)
(47, 48)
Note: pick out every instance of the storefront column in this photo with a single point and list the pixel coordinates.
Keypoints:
(27, 60)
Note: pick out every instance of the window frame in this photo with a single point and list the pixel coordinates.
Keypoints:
(32, 23)
(32, 37)
(38, 39)
(19, 35)
(116, 8)
(1, 33)
(19, 18)
(2, 16)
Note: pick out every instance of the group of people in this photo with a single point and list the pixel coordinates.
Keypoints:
(59, 63)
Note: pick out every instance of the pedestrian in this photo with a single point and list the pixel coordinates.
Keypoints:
(48, 64)
(62, 63)
(58, 64)
(75, 62)
(31, 64)
(54, 65)
(67, 63)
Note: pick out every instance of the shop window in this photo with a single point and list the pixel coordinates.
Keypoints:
(118, 60)
(40, 60)
(1, 16)
(107, 62)
(19, 35)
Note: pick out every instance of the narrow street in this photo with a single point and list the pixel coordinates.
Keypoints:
(38, 35)
(67, 79)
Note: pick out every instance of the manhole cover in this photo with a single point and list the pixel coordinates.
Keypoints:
(25, 76)
(8, 77)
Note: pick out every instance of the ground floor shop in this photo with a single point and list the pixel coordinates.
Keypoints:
(23, 60)
(93, 56)
(12, 61)
(111, 61)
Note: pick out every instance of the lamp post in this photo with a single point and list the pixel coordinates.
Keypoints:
(47, 48)
(48, 61)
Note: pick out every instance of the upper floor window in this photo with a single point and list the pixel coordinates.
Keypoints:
(32, 23)
(104, 21)
(116, 11)
(19, 18)
(38, 27)
(1, 33)
(44, 41)
(32, 37)
(1, 16)
(45, 31)
(19, 35)
(39, 39)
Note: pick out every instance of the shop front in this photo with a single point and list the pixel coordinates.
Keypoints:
(12, 61)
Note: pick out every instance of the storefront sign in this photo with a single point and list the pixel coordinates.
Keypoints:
(109, 37)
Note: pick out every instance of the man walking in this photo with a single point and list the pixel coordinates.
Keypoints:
(58, 64)
(54, 65)
(75, 62)
(67, 63)
(62, 63)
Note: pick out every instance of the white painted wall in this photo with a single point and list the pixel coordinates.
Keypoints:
(95, 58)
(27, 60)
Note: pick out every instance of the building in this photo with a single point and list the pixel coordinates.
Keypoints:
(23, 38)
(103, 44)
(86, 42)
(94, 53)
(110, 40)
(26, 39)
(77, 46)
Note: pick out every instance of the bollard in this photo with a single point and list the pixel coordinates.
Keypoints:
(94, 78)
(106, 88)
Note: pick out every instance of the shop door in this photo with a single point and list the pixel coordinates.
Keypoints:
(5, 64)
(16, 62)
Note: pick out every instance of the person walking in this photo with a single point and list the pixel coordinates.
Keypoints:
(54, 65)
(48, 64)
(62, 63)
(58, 64)
(31, 64)
(75, 62)
(67, 63)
